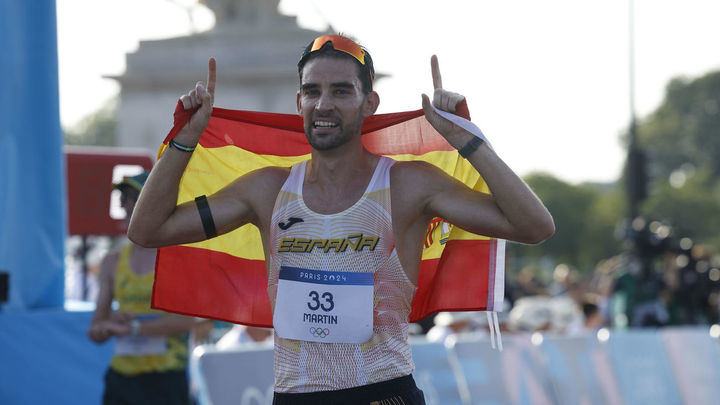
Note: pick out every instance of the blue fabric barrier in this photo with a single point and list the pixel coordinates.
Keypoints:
(695, 359)
(514, 376)
(642, 368)
(46, 357)
(436, 375)
(580, 371)
(32, 175)
(631, 367)
(482, 370)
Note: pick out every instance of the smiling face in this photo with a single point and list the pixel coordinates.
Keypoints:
(332, 103)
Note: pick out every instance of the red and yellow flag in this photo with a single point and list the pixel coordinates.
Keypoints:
(225, 278)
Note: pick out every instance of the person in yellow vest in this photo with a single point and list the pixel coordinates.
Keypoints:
(151, 347)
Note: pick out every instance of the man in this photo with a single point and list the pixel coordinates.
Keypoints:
(151, 347)
(345, 214)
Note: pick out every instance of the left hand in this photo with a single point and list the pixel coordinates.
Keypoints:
(446, 101)
(121, 317)
(117, 328)
(118, 324)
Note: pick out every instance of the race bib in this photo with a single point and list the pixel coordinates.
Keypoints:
(324, 306)
(140, 345)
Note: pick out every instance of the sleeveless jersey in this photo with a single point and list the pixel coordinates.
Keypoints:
(133, 294)
(359, 239)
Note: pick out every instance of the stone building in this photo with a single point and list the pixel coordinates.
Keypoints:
(256, 50)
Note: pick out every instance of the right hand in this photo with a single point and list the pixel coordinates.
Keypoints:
(203, 98)
(445, 101)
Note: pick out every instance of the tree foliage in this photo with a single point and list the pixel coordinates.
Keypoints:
(99, 128)
(585, 217)
(685, 128)
(682, 140)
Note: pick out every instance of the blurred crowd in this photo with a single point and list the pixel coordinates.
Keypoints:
(670, 285)
(675, 285)
(656, 282)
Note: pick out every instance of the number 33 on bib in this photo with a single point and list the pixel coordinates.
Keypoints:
(324, 306)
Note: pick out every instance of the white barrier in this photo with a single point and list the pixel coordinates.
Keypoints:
(667, 366)
(239, 376)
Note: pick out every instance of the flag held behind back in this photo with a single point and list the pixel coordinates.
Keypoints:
(225, 278)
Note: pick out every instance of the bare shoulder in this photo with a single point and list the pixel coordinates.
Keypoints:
(413, 168)
(271, 175)
(417, 177)
(260, 183)
(255, 192)
(413, 184)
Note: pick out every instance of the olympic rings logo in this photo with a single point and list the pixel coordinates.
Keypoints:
(319, 332)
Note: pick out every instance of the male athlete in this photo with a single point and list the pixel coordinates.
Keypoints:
(378, 208)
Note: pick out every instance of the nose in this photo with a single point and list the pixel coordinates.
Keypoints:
(323, 103)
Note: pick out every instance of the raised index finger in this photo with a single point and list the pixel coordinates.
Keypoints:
(435, 68)
(212, 76)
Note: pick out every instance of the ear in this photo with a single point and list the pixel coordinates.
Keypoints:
(371, 103)
(297, 101)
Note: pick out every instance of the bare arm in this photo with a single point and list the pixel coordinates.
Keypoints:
(98, 331)
(512, 212)
(157, 219)
(166, 325)
(107, 323)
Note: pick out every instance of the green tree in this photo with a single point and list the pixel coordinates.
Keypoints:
(99, 128)
(682, 140)
(585, 217)
(691, 207)
(685, 128)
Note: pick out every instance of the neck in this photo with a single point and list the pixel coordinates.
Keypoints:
(338, 167)
(335, 181)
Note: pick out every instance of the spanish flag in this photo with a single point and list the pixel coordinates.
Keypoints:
(224, 278)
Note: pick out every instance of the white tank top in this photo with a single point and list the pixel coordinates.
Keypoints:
(304, 366)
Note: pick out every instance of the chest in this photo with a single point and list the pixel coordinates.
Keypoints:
(363, 232)
(329, 200)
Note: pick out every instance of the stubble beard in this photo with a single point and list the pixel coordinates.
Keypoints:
(329, 142)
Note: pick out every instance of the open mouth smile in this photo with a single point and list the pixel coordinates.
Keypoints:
(324, 124)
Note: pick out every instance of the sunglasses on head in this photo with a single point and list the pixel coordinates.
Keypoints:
(339, 43)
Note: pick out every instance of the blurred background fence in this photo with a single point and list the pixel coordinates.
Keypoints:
(46, 358)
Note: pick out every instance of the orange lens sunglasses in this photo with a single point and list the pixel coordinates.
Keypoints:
(340, 44)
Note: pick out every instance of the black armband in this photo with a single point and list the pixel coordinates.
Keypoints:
(470, 147)
(206, 216)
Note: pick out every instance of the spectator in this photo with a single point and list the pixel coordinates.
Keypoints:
(151, 347)
(450, 323)
(594, 318)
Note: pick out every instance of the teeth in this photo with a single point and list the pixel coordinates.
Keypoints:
(325, 124)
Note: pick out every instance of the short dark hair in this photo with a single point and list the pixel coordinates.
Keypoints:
(366, 72)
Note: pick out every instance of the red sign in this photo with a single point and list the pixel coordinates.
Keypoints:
(90, 183)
